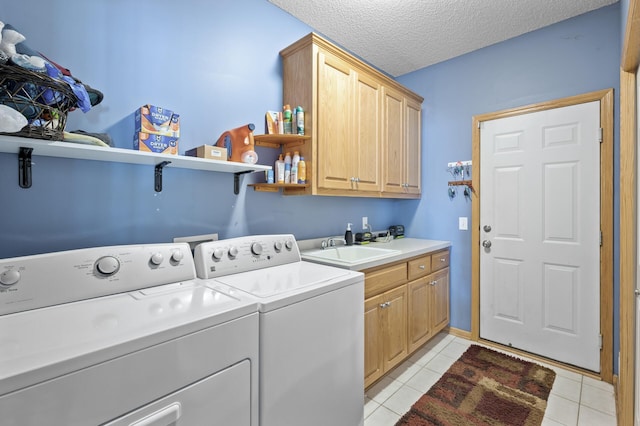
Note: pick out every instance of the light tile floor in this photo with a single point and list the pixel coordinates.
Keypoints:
(574, 400)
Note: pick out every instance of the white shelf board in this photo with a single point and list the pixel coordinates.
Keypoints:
(12, 144)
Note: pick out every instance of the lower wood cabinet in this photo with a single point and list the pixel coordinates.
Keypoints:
(428, 311)
(406, 304)
(385, 332)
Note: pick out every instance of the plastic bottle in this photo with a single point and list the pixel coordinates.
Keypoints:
(279, 172)
(287, 173)
(287, 164)
(295, 159)
(287, 117)
(302, 171)
(294, 173)
(299, 120)
(348, 235)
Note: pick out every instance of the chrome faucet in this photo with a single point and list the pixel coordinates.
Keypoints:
(368, 227)
(331, 242)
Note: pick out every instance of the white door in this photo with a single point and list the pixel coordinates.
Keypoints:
(540, 231)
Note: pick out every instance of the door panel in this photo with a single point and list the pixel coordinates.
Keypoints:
(539, 267)
(368, 137)
(395, 324)
(335, 118)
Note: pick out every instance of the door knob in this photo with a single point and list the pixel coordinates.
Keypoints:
(486, 244)
(487, 228)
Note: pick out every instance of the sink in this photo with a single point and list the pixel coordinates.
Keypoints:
(348, 255)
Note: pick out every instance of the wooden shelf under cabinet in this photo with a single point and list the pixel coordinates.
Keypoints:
(277, 141)
(285, 142)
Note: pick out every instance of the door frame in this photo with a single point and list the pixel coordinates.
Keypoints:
(606, 214)
(629, 61)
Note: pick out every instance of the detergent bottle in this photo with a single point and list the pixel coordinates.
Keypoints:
(279, 171)
(302, 171)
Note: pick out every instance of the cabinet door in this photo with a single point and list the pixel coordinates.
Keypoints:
(373, 331)
(440, 300)
(393, 141)
(412, 152)
(394, 316)
(368, 133)
(335, 123)
(419, 314)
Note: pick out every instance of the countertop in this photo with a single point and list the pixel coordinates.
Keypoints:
(408, 248)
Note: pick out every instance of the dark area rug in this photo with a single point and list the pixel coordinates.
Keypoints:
(485, 387)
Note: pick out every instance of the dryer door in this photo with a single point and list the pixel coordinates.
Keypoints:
(223, 398)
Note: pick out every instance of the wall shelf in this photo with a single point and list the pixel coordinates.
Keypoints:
(16, 145)
(275, 187)
(285, 142)
(277, 141)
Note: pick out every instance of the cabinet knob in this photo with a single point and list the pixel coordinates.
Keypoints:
(442, 259)
(421, 267)
(433, 282)
(385, 305)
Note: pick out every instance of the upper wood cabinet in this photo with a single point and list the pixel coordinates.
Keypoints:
(401, 144)
(351, 129)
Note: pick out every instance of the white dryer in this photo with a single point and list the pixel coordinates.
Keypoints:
(311, 328)
(124, 335)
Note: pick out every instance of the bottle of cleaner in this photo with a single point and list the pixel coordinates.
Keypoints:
(302, 171)
(300, 120)
(279, 172)
(287, 173)
(287, 165)
(348, 235)
(288, 119)
(295, 159)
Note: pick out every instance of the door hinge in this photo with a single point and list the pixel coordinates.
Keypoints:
(600, 238)
(600, 340)
(600, 134)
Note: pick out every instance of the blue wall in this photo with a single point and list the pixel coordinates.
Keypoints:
(576, 56)
(217, 64)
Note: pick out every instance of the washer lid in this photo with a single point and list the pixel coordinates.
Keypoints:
(43, 343)
(290, 278)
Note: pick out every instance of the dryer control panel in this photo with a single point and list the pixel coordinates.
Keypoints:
(242, 254)
(42, 280)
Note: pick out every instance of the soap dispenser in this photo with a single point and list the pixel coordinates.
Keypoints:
(348, 235)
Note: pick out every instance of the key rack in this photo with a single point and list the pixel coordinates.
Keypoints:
(26, 147)
(460, 169)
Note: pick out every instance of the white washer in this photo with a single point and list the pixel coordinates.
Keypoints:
(311, 328)
(144, 342)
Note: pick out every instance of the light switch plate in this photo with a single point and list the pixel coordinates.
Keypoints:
(463, 223)
(365, 222)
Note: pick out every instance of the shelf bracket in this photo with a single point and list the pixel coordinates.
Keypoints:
(24, 167)
(236, 181)
(158, 175)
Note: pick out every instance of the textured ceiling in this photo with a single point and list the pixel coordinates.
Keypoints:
(400, 36)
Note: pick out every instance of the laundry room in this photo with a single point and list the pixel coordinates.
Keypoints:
(223, 66)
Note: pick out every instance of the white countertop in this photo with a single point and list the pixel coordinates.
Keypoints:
(408, 248)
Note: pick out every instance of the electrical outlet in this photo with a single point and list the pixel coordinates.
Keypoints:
(365, 222)
(463, 224)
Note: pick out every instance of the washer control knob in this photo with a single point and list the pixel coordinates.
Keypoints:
(289, 244)
(108, 265)
(218, 253)
(277, 245)
(157, 258)
(177, 255)
(9, 278)
(256, 248)
(233, 251)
